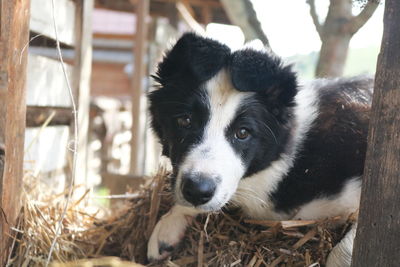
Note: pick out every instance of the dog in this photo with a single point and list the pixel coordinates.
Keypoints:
(238, 128)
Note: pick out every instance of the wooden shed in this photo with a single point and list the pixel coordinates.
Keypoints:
(43, 91)
(46, 62)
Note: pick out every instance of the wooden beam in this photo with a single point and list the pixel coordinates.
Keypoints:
(14, 34)
(188, 7)
(82, 73)
(162, 8)
(46, 152)
(200, 3)
(114, 36)
(377, 241)
(189, 20)
(45, 83)
(139, 52)
(37, 115)
(42, 14)
(118, 5)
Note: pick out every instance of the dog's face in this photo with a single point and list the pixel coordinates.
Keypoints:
(220, 116)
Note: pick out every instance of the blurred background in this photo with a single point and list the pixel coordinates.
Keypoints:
(112, 46)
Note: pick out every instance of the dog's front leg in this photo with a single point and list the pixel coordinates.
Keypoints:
(169, 231)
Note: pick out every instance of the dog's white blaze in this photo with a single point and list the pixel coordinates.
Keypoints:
(252, 193)
(214, 156)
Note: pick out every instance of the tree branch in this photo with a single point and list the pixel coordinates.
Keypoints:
(314, 16)
(358, 21)
(242, 14)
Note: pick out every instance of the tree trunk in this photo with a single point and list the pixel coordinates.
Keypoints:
(335, 39)
(333, 55)
(378, 233)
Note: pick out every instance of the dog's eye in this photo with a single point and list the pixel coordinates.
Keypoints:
(184, 122)
(242, 133)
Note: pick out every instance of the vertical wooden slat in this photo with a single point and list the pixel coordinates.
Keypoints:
(377, 242)
(14, 34)
(139, 72)
(82, 72)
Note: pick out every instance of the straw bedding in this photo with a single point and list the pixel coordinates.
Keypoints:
(224, 239)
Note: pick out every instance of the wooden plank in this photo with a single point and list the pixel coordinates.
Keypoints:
(46, 155)
(114, 36)
(46, 85)
(46, 149)
(137, 89)
(201, 3)
(189, 20)
(378, 232)
(162, 8)
(14, 34)
(109, 80)
(82, 73)
(36, 116)
(41, 20)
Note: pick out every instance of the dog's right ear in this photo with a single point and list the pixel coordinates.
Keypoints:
(193, 58)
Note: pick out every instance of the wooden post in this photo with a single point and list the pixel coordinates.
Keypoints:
(139, 73)
(14, 34)
(377, 242)
(82, 71)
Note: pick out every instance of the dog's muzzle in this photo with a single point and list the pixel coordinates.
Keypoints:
(197, 189)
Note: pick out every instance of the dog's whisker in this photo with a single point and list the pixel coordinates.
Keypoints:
(272, 132)
(254, 195)
(249, 196)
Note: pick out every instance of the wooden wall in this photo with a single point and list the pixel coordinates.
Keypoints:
(39, 82)
(110, 79)
(47, 148)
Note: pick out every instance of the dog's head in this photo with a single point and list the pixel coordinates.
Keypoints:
(221, 116)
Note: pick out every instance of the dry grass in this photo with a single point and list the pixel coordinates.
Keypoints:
(37, 223)
(224, 239)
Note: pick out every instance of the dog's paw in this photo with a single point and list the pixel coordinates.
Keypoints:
(167, 234)
(340, 255)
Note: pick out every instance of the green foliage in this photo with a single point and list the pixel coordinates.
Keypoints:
(304, 65)
(359, 61)
(102, 191)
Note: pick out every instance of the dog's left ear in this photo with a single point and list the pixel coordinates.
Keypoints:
(258, 71)
(193, 59)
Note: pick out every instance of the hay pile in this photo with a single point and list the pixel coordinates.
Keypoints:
(223, 239)
(37, 223)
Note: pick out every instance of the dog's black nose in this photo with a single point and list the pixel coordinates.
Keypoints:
(197, 189)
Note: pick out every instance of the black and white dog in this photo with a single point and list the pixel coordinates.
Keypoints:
(239, 129)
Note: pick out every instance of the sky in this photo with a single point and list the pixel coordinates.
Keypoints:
(290, 30)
